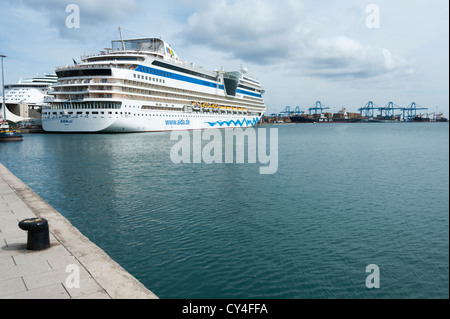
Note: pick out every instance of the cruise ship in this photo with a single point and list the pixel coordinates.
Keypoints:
(141, 85)
(25, 98)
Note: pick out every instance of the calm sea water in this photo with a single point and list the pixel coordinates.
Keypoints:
(344, 196)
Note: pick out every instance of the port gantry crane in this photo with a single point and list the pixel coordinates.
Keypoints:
(408, 113)
(368, 111)
(287, 112)
(317, 108)
(297, 111)
(411, 111)
(389, 109)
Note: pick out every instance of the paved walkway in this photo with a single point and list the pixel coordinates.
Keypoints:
(73, 266)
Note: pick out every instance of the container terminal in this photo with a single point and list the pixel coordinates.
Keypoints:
(369, 113)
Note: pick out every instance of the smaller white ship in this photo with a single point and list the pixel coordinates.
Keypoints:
(25, 98)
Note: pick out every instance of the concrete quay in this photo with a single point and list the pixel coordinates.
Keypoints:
(72, 268)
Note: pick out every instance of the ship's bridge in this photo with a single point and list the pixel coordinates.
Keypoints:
(152, 45)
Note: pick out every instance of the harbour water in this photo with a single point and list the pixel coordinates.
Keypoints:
(344, 196)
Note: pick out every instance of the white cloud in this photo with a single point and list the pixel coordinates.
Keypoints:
(249, 29)
(341, 56)
(279, 33)
(94, 15)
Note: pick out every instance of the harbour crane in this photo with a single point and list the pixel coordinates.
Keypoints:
(411, 111)
(388, 110)
(368, 111)
(318, 108)
(297, 111)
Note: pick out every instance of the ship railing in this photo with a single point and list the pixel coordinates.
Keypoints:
(100, 82)
(79, 66)
(126, 52)
(84, 81)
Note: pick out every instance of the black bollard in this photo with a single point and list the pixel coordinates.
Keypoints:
(38, 233)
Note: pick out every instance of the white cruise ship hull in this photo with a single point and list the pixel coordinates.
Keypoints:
(150, 122)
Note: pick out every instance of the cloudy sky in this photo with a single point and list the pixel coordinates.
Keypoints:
(341, 52)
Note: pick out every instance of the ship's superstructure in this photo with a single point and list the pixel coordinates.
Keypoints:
(141, 85)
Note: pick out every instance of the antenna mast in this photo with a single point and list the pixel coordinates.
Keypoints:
(121, 39)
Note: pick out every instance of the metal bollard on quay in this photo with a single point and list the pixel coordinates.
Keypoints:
(38, 233)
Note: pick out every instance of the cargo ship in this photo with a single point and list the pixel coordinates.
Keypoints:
(342, 116)
(303, 119)
(440, 118)
(385, 119)
(426, 118)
